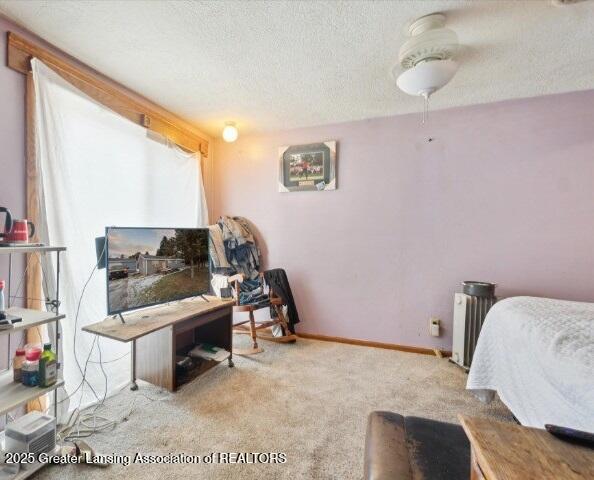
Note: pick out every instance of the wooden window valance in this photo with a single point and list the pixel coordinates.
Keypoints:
(119, 99)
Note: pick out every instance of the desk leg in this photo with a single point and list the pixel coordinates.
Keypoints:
(475, 470)
(134, 385)
(230, 337)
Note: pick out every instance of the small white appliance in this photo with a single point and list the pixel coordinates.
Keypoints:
(31, 433)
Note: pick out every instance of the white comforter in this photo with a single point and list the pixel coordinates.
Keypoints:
(538, 355)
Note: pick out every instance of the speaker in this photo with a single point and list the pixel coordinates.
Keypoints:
(100, 247)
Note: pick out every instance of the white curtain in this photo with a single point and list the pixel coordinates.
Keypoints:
(99, 169)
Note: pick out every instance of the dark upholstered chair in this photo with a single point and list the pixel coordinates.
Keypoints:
(413, 448)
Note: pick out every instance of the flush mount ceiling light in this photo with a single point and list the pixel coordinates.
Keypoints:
(426, 56)
(230, 133)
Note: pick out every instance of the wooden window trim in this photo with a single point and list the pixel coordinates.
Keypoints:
(107, 92)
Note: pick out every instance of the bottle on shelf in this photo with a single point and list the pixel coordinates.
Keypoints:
(48, 367)
(30, 370)
(17, 364)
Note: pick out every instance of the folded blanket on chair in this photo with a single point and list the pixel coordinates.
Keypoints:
(252, 292)
(240, 246)
(216, 247)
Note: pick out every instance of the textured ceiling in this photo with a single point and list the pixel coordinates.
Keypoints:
(273, 65)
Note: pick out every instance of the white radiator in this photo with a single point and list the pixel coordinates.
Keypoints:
(469, 315)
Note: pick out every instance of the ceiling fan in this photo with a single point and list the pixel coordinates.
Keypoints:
(427, 58)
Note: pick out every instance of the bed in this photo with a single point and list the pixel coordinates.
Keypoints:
(537, 354)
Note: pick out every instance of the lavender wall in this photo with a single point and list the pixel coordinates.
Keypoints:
(12, 132)
(12, 154)
(504, 193)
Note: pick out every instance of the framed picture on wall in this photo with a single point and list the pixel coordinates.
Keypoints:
(307, 167)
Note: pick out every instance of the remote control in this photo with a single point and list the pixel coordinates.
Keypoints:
(566, 433)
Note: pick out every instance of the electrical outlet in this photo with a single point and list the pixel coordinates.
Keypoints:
(434, 324)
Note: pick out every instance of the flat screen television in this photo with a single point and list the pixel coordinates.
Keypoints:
(149, 266)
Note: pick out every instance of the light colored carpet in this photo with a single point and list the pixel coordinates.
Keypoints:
(309, 400)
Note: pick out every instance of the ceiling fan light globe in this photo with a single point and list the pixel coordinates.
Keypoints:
(427, 77)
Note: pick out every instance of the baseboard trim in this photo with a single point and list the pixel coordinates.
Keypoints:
(369, 343)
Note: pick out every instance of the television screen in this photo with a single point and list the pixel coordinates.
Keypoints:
(147, 266)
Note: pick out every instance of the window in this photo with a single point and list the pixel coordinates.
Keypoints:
(99, 169)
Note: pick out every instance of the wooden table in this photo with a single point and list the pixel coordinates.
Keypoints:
(507, 451)
(159, 334)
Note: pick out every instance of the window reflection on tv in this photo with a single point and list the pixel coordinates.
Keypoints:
(148, 266)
